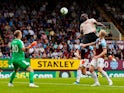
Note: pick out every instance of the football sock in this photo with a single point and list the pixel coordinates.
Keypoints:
(106, 75)
(12, 76)
(94, 76)
(78, 75)
(31, 77)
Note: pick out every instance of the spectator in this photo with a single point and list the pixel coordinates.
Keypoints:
(1, 54)
(57, 35)
(55, 45)
(55, 54)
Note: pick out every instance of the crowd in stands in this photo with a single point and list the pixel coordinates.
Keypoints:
(57, 35)
(116, 9)
(116, 48)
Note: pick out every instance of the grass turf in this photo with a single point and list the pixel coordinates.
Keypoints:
(62, 85)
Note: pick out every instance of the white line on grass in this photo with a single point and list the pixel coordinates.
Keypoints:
(65, 84)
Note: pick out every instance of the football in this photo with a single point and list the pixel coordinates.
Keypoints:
(64, 10)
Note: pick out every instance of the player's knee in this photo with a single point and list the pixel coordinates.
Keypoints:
(79, 68)
(100, 70)
(84, 72)
(16, 71)
(30, 69)
(91, 69)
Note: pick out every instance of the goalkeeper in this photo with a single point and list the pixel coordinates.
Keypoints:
(18, 58)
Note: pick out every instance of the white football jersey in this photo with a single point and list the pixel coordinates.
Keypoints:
(88, 26)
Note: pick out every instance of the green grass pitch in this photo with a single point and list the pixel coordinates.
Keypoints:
(62, 85)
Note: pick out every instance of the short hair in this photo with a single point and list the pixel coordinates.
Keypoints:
(103, 32)
(84, 15)
(16, 33)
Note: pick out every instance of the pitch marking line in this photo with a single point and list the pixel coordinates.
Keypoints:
(65, 84)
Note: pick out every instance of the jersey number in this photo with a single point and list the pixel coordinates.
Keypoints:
(15, 48)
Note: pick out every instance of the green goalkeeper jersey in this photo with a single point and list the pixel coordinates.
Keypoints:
(17, 52)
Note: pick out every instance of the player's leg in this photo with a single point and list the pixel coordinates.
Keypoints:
(31, 77)
(85, 66)
(85, 72)
(25, 65)
(79, 73)
(93, 73)
(31, 74)
(82, 70)
(85, 41)
(106, 75)
(100, 69)
(13, 75)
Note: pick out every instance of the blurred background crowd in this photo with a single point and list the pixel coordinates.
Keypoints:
(57, 35)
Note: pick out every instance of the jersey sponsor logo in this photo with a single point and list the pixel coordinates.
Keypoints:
(54, 64)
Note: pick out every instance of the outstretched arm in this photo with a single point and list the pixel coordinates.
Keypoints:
(88, 44)
(99, 23)
(81, 27)
(25, 48)
(30, 46)
(77, 54)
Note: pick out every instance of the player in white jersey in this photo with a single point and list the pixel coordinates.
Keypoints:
(84, 63)
(88, 27)
(98, 60)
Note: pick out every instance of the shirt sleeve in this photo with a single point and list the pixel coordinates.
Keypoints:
(81, 27)
(93, 20)
(21, 44)
(97, 40)
(103, 44)
(91, 48)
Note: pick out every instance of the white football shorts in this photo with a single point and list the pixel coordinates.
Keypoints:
(84, 63)
(99, 62)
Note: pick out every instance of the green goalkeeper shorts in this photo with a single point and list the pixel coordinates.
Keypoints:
(23, 64)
